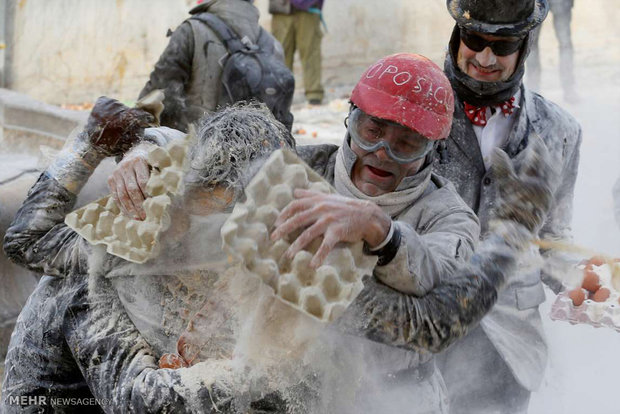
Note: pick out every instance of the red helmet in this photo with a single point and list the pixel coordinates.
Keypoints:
(410, 90)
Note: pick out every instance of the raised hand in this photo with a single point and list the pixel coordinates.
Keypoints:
(334, 218)
(526, 194)
(113, 128)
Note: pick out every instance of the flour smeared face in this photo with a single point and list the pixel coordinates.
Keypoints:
(486, 66)
(375, 173)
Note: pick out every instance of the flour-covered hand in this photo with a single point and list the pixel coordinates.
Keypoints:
(334, 218)
(526, 194)
(128, 182)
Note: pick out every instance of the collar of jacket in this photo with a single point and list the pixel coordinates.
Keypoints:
(518, 138)
(240, 15)
(527, 121)
(408, 182)
(480, 93)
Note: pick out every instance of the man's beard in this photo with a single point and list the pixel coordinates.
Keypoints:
(464, 63)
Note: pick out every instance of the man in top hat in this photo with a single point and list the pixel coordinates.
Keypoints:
(507, 353)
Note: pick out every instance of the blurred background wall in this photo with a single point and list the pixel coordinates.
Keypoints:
(71, 51)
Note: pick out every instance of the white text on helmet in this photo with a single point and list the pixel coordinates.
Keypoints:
(400, 78)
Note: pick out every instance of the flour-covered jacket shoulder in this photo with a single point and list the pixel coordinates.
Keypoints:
(562, 135)
(438, 230)
(460, 161)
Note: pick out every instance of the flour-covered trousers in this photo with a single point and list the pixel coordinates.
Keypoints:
(478, 380)
(410, 391)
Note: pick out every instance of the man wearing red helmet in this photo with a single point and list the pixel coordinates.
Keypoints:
(410, 218)
(485, 64)
(416, 224)
(388, 197)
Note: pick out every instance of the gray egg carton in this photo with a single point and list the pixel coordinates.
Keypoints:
(323, 293)
(101, 222)
(597, 314)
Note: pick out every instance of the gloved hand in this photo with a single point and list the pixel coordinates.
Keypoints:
(113, 128)
(526, 195)
(333, 217)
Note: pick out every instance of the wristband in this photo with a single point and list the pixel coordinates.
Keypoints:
(389, 250)
(386, 240)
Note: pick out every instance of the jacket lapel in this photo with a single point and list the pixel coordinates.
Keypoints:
(463, 135)
(518, 138)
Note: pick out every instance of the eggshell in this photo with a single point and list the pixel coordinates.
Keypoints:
(577, 295)
(591, 280)
(601, 295)
(597, 260)
(173, 361)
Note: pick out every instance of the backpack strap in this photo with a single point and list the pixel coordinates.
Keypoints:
(222, 30)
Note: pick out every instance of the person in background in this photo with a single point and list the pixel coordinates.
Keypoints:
(190, 69)
(297, 25)
(485, 64)
(562, 11)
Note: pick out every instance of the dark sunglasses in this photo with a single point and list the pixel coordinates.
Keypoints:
(499, 47)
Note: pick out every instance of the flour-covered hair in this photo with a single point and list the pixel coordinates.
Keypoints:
(229, 140)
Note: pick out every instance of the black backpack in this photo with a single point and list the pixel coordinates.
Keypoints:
(252, 71)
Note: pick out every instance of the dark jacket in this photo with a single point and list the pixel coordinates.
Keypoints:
(190, 68)
(306, 4)
(288, 6)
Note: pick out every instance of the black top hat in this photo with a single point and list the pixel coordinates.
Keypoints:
(498, 17)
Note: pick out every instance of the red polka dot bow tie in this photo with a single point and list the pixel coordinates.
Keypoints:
(478, 114)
